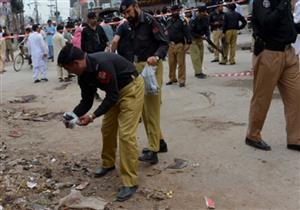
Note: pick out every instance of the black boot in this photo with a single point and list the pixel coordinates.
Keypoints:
(163, 147)
(103, 171)
(149, 157)
(125, 193)
(293, 147)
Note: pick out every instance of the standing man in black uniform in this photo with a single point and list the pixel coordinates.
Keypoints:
(93, 38)
(121, 107)
(275, 64)
(150, 46)
(180, 40)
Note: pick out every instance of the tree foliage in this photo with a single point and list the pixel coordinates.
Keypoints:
(17, 6)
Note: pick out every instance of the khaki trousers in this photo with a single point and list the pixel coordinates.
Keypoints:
(197, 55)
(230, 46)
(151, 110)
(62, 73)
(123, 119)
(2, 54)
(271, 69)
(176, 56)
(217, 37)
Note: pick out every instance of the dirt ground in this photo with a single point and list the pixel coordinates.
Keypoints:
(204, 123)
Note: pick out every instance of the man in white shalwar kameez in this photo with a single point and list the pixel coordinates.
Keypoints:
(38, 51)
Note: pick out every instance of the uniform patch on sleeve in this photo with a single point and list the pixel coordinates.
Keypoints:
(104, 77)
(266, 3)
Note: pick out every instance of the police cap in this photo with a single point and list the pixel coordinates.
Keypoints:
(202, 7)
(125, 4)
(175, 7)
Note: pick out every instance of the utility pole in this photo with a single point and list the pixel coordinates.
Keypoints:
(56, 11)
(36, 11)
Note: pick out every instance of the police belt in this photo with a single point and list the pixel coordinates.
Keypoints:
(277, 47)
(132, 77)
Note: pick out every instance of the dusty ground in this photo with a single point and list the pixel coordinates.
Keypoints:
(204, 123)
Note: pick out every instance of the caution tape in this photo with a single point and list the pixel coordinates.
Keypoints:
(236, 74)
(12, 37)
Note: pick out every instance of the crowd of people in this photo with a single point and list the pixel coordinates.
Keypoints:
(114, 60)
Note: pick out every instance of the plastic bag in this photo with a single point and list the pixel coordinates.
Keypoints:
(70, 119)
(151, 85)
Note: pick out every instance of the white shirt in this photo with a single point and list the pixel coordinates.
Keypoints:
(36, 47)
(58, 43)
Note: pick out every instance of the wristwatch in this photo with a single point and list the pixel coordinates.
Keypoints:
(91, 116)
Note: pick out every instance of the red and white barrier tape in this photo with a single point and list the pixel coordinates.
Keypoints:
(236, 74)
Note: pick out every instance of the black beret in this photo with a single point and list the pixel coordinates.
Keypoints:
(91, 15)
(125, 4)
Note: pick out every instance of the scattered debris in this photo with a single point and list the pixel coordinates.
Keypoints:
(156, 194)
(15, 134)
(195, 165)
(210, 204)
(82, 186)
(63, 185)
(31, 184)
(76, 201)
(62, 87)
(23, 99)
(154, 172)
(178, 164)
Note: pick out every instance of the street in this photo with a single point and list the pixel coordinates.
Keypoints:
(203, 123)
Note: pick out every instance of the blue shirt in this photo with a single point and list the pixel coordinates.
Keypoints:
(50, 31)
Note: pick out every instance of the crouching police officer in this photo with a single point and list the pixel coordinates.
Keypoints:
(275, 64)
(149, 45)
(121, 107)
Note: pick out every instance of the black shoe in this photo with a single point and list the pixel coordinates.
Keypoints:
(37, 80)
(222, 63)
(60, 80)
(103, 171)
(163, 147)
(232, 63)
(44, 79)
(181, 85)
(258, 144)
(149, 157)
(171, 82)
(294, 147)
(125, 193)
(214, 60)
(67, 79)
(201, 76)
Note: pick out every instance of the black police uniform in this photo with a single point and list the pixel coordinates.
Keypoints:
(125, 47)
(275, 64)
(179, 35)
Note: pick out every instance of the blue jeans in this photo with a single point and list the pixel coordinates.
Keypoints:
(50, 47)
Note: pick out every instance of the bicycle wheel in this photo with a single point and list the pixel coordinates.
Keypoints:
(18, 62)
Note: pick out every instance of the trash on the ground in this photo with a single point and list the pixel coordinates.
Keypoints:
(39, 207)
(178, 164)
(154, 172)
(53, 160)
(23, 99)
(76, 201)
(1, 207)
(195, 165)
(31, 184)
(210, 204)
(82, 186)
(63, 185)
(62, 87)
(156, 194)
(15, 134)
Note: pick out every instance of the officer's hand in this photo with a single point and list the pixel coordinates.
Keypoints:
(152, 61)
(85, 120)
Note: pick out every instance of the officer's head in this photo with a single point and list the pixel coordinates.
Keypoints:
(175, 10)
(92, 18)
(202, 8)
(231, 6)
(72, 59)
(219, 8)
(130, 10)
(49, 22)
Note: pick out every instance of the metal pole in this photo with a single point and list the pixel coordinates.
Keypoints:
(56, 11)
